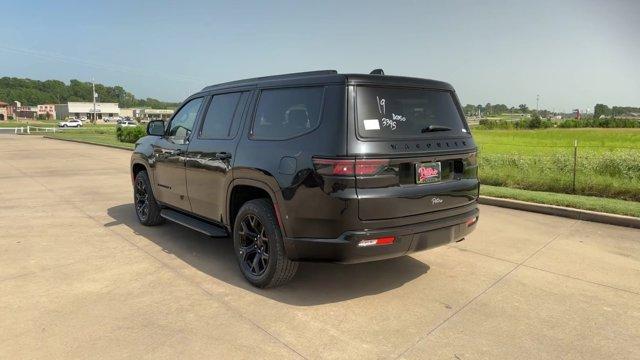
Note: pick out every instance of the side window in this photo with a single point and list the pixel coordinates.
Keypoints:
(182, 123)
(286, 113)
(222, 111)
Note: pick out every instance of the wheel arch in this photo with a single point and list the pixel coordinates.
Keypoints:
(136, 167)
(243, 190)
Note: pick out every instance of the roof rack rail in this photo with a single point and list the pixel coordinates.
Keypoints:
(274, 77)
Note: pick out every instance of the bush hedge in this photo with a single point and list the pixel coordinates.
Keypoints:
(130, 134)
(536, 122)
(600, 123)
(533, 123)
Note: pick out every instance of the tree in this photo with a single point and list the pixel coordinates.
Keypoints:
(470, 109)
(488, 110)
(523, 108)
(601, 110)
(535, 121)
(34, 92)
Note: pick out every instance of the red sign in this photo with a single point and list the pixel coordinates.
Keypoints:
(426, 173)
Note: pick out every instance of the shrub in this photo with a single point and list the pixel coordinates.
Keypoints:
(535, 122)
(600, 123)
(130, 134)
(490, 124)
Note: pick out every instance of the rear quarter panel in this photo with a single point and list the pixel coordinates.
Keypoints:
(308, 205)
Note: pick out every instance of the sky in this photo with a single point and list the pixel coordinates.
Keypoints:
(573, 54)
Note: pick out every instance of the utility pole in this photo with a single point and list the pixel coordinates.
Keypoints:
(93, 94)
(537, 103)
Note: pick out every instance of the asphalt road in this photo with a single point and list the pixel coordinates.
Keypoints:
(79, 278)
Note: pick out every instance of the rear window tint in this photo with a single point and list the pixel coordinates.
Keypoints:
(286, 113)
(405, 113)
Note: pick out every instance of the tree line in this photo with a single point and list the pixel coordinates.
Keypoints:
(606, 111)
(34, 92)
(494, 109)
(598, 111)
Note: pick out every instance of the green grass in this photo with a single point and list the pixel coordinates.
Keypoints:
(96, 134)
(24, 123)
(554, 140)
(542, 160)
(612, 206)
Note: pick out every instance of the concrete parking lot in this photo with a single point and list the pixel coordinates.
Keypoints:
(80, 278)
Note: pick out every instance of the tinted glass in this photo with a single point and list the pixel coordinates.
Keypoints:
(405, 113)
(217, 123)
(182, 123)
(285, 113)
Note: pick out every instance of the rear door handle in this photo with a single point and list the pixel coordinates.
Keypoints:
(223, 156)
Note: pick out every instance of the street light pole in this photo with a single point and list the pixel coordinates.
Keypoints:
(93, 94)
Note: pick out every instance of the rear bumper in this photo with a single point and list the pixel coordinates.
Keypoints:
(409, 238)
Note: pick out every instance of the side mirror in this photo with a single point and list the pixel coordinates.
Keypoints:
(155, 128)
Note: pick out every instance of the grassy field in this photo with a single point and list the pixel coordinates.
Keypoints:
(13, 123)
(96, 134)
(607, 160)
(612, 206)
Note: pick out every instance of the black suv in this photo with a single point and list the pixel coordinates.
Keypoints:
(314, 166)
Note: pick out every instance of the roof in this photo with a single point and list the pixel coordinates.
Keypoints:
(330, 76)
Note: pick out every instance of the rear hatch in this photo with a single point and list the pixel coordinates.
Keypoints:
(413, 152)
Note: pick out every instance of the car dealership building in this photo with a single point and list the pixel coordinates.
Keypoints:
(86, 110)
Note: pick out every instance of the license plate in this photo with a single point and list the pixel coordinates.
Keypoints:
(428, 172)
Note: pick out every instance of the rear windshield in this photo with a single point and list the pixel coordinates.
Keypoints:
(406, 113)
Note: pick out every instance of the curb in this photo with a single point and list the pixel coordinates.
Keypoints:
(586, 215)
(86, 142)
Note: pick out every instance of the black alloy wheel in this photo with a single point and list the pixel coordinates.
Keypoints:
(259, 246)
(141, 199)
(145, 204)
(254, 246)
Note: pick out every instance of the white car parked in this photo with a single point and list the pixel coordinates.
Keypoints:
(70, 123)
(128, 123)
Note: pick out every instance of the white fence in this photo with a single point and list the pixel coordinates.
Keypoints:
(33, 129)
(13, 130)
(38, 129)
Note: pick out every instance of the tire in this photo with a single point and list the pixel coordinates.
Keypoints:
(144, 203)
(262, 238)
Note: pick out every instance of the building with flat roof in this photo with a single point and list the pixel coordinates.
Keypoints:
(148, 114)
(85, 110)
(26, 112)
(127, 112)
(47, 110)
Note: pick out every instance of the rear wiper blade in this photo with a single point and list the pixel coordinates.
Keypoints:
(432, 128)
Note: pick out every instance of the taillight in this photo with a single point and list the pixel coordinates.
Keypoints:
(370, 166)
(387, 240)
(349, 167)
